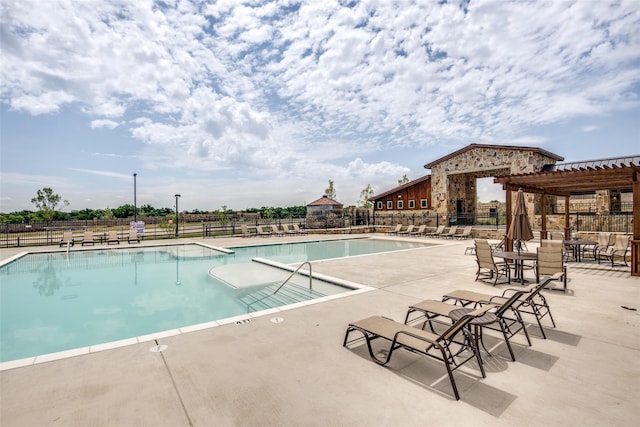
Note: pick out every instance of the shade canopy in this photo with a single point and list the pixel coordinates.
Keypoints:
(520, 228)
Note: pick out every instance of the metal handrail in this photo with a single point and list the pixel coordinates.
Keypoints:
(289, 278)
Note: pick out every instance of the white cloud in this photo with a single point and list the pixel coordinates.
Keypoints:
(102, 173)
(109, 124)
(298, 90)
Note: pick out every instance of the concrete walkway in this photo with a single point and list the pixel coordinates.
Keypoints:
(296, 372)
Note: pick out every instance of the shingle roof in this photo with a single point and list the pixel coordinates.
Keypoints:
(324, 200)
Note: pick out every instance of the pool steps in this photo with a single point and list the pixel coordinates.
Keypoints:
(264, 298)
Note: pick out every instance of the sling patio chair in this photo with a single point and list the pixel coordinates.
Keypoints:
(420, 231)
(406, 232)
(429, 311)
(531, 300)
(617, 251)
(488, 268)
(133, 236)
(87, 238)
(466, 233)
(395, 230)
(262, 232)
(67, 239)
(440, 347)
(299, 230)
(603, 241)
(276, 230)
(245, 231)
(551, 261)
(112, 237)
(287, 231)
(437, 232)
(449, 234)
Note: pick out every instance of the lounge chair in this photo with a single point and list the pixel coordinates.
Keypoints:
(112, 237)
(618, 250)
(437, 232)
(466, 233)
(133, 236)
(531, 300)
(299, 230)
(450, 234)
(245, 231)
(276, 230)
(551, 261)
(407, 231)
(500, 245)
(488, 268)
(67, 239)
(287, 231)
(262, 232)
(87, 238)
(430, 310)
(440, 347)
(419, 232)
(395, 230)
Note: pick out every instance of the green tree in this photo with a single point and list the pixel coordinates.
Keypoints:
(403, 180)
(365, 194)
(47, 201)
(330, 191)
(107, 214)
(124, 211)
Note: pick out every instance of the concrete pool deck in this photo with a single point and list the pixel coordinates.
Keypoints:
(296, 372)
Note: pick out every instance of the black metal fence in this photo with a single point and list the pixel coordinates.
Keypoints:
(50, 233)
(493, 220)
(155, 228)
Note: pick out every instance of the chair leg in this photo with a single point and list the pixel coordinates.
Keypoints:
(506, 339)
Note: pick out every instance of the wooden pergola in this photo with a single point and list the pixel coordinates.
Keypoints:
(582, 177)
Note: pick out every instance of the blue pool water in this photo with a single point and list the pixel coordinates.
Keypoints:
(52, 302)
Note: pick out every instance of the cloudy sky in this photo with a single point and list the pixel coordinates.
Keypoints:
(260, 103)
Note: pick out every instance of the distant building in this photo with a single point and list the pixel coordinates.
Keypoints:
(450, 189)
(414, 195)
(325, 213)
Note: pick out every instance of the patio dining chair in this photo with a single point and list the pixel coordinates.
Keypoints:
(488, 268)
(618, 251)
(551, 261)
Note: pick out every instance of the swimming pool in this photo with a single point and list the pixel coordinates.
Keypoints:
(54, 302)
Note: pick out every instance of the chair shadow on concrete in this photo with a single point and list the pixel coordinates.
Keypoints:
(430, 375)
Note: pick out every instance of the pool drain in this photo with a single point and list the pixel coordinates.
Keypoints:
(158, 348)
(243, 321)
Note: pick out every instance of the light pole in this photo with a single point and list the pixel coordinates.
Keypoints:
(177, 215)
(135, 205)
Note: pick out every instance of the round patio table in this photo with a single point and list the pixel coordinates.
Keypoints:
(575, 247)
(477, 324)
(519, 258)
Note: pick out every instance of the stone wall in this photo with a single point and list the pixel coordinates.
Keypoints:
(453, 179)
